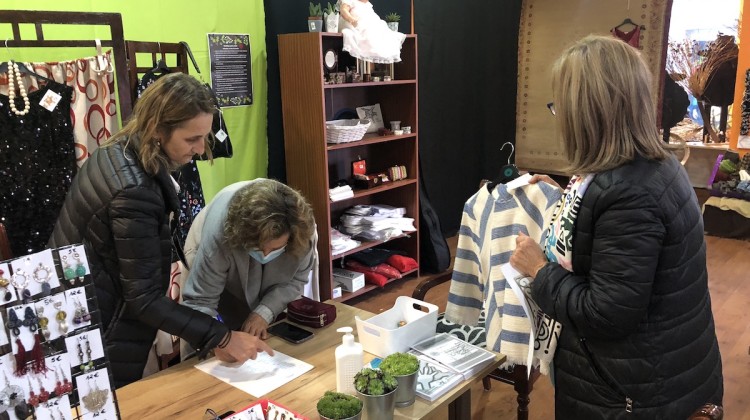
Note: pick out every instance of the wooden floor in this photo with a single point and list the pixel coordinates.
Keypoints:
(729, 283)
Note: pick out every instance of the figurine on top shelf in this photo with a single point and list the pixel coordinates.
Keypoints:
(366, 36)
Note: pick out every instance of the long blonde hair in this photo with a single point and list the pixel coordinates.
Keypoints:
(604, 112)
(169, 102)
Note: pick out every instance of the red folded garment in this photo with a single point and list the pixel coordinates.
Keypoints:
(402, 263)
(375, 278)
(383, 269)
(371, 277)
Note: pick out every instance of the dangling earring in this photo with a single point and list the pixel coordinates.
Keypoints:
(88, 363)
(61, 317)
(81, 315)
(33, 398)
(30, 319)
(38, 364)
(68, 271)
(80, 268)
(42, 275)
(14, 393)
(96, 399)
(64, 387)
(43, 321)
(14, 324)
(20, 357)
(20, 280)
(43, 393)
(4, 282)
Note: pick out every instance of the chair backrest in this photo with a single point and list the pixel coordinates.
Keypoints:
(5, 252)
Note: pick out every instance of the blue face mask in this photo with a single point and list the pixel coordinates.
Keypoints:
(265, 259)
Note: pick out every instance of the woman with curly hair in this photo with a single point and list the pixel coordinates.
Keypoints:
(250, 252)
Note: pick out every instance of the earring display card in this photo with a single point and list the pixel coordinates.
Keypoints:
(3, 334)
(55, 310)
(7, 291)
(88, 347)
(24, 317)
(77, 308)
(35, 273)
(54, 409)
(96, 395)
(74, 263)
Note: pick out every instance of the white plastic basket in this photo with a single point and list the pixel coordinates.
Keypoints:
(345, 131)
(381, 335)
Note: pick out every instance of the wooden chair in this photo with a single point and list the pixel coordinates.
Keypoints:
(515, 375)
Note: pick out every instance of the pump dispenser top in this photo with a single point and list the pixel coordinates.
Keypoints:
(349, 361)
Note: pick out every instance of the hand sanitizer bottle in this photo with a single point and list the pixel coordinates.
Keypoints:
(349, 361)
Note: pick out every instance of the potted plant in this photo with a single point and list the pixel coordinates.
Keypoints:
(393, 19)
(315, 21)
(377, 390)
(404, 367)
(339, 406)
(331, 14)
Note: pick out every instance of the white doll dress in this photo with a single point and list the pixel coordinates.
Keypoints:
(371, 40)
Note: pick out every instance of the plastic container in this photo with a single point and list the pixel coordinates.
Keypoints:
(381, 335)
(349, 361)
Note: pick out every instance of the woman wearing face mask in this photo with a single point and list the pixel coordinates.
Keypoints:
(250, 252)
(119, 208)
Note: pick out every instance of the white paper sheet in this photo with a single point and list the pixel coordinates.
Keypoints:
(257, 377)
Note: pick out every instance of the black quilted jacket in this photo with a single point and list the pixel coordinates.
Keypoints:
(121, 215)
(636, 311)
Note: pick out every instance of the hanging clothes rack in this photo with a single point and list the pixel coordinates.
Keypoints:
(38, 18)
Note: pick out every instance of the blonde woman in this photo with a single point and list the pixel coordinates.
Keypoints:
(119, 207)
(623, 266)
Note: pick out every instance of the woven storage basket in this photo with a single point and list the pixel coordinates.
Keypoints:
(344, 131)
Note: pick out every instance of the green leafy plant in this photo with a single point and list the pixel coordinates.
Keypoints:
(331, 9)
(392, 17)
(374, 382)
(400, 364)
(315, 10)
(336, 405)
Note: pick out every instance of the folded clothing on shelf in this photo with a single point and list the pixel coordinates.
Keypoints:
(402, 263)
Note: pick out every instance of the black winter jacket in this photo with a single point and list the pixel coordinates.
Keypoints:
(121, 215)
(636, 310)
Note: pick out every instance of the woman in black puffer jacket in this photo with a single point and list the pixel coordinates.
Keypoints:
(119, 208)
(638, 338)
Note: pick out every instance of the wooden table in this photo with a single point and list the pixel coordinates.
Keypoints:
(185, 392)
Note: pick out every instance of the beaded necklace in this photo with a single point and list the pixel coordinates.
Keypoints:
(13, 68)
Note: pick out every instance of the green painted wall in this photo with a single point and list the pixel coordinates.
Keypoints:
(174, 21)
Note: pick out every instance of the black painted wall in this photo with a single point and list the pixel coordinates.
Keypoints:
(467, 90)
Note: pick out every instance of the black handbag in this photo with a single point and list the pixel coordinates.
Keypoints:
(222, 145)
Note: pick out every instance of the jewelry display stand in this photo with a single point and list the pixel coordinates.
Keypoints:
(53, 363)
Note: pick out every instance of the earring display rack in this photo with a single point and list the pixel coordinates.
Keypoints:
(53, 363)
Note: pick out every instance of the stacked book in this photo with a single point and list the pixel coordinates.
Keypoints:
(444, 361)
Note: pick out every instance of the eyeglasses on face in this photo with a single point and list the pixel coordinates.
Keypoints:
(551, 107)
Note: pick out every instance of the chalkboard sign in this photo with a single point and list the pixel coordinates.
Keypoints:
(231, 77)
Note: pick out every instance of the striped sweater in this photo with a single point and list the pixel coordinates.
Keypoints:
(489, 225)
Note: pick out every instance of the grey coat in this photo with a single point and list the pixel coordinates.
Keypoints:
(231, 283)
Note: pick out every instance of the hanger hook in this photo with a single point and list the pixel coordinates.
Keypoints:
(512, 149)
(6, 45)
(159, 44)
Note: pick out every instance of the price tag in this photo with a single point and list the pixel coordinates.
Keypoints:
(221, 135)
(49, 100)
